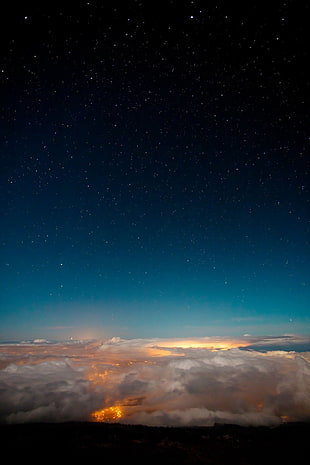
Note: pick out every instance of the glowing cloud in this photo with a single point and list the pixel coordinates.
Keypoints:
(110, 414)
(196, 381)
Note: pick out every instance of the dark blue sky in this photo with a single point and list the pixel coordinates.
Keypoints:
(154, 170)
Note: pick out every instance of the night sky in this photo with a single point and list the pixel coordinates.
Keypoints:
(154, 169)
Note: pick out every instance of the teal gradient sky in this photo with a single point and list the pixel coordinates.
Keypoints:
(154, 171)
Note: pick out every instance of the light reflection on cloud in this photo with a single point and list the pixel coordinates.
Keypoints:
(196, 381)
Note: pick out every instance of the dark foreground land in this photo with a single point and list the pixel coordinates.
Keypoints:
(115, 443)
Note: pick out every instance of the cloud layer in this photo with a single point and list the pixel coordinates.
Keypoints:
(49, 391)
(155, 382)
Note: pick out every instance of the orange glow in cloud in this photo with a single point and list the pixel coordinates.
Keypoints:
(118, 349)
(110, 414)
(203, 343)
(157, 352)
(97, 377)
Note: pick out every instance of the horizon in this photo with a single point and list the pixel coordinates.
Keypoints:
(249, 338)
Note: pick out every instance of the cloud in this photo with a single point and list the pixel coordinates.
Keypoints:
(232, 386)
(48, 391)
(180, 382)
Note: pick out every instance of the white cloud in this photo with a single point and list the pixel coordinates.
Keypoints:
(233, 386)
(48, 391)
(156, 382)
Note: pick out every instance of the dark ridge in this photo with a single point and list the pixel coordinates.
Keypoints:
(116, 443)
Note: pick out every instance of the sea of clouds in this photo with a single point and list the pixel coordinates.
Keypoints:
(157, 381)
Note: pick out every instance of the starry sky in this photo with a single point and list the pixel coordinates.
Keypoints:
(154, 169)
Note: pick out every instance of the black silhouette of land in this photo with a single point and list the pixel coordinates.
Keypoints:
(116, 443)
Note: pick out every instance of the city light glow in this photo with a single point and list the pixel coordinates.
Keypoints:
(108, 415)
